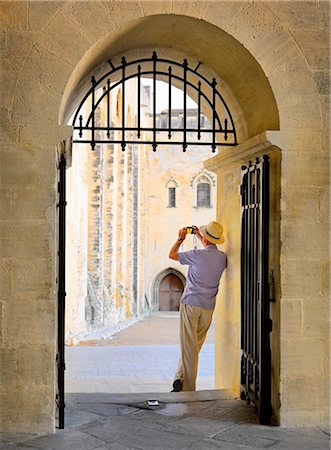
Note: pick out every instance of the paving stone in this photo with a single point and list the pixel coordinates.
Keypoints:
(234, 435)
(303, 443)
(69, 440)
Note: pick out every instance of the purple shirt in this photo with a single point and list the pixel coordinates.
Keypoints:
(205, 270)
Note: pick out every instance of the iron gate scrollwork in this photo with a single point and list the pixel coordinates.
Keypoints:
(220, 132)
(61, 291)
(255, 301)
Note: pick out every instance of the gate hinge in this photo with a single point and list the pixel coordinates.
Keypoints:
(271, 286)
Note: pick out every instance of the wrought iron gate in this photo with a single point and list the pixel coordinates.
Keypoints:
(255, 301)
(221, 131)
(61, 291)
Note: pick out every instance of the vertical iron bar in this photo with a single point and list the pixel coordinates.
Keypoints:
(226, 129)
(80, 126)
(154, 145)
(93, 110)
(169, 109)
(108, 108)
(61, 289)
(123, 144)
(214, 114)
(199, 110)
(265, 372)
(185, 64)
(138, 106)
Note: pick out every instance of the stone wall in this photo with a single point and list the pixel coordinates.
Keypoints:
(273, 61)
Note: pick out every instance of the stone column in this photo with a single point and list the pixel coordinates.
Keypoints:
(227, 166)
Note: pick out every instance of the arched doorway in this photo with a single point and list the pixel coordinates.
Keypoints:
(170, 292)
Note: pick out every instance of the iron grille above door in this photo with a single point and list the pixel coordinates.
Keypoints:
(220, 131)
(255, 301)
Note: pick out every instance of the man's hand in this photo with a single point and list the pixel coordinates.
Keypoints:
(182, 234)
(197, 232)
(173, 254)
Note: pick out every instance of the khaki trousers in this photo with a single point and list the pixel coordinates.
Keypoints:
(194, 324)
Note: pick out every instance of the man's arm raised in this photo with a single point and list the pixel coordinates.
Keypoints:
(173, 254)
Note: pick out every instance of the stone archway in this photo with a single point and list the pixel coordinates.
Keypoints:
(279, 65)
(174, 290)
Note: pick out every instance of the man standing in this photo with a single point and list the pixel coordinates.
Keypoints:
(198, 300)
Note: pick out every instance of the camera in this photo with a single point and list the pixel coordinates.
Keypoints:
(190, 229)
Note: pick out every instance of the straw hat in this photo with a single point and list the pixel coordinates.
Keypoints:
(213, 232)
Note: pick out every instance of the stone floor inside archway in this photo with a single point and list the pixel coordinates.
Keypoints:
(98, 417)
(205, 420)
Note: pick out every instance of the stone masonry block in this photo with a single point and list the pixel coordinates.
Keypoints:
(324, 205)
(40, 13)
(43, 134)
(300, 242)
(303, 16)
(296, 394)
(322, 80)
(31, 279)
(8, 130)
(80, 15)
(28, 166)
(304, 211)
(315, 46)
(5, 281)
(27, 106)
(3, 41)
(301, 278)
(132, 8)
(34, 323)
(316, 317)
(24, 240)
(28, 410)
(325, 279)
(304, 169)
(194, 9)
(303, 356)
(60, 43)
(291, 317)
(14, 15)
(36, 366)
(48, 73)
(9, 367)
(1, 323)
(151, 8)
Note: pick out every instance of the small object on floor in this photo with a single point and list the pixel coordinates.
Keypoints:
(153, 402)
(177, 386)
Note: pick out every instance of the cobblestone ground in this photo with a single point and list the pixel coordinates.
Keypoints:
(142, 358)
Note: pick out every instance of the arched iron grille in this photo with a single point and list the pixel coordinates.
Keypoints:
(221, 130)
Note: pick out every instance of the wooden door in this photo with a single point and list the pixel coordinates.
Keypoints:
(171, 289)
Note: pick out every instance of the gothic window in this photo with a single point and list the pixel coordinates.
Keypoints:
(172, 187)
(172, 197)
(203, 195)
(202, 185)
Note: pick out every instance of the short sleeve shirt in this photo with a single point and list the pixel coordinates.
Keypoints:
(206, 267)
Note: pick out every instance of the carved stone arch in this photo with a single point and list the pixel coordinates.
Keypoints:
(157, 282)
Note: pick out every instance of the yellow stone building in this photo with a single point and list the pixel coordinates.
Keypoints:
(271, 61)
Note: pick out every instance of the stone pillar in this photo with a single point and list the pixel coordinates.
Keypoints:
(95, 236)
(227, 166)
(28, 262)
(108, 230)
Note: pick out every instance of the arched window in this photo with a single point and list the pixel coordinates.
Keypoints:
(203, 195)
(172, 188)
(202, 184)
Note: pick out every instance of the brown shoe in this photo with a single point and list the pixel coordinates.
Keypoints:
(177, 386)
